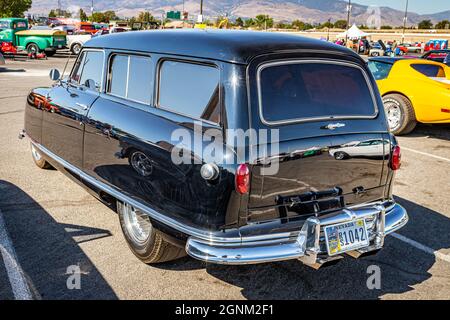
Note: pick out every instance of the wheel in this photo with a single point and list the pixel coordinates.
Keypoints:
(340, 155)
(147, 243)
(374, 54)
(38, 159)
(76, 48)
(50, 53)
(400, 114)
(32, 48)
(141, 163)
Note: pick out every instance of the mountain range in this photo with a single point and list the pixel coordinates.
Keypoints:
(312, 11)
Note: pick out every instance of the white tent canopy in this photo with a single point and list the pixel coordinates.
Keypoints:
(353, 33)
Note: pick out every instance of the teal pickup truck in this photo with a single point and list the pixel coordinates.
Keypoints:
(15, 36)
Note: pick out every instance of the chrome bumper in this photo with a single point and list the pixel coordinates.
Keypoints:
(307, 244)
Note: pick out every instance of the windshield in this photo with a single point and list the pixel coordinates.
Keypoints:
(4, 25)
(380, 70)
(296, 91)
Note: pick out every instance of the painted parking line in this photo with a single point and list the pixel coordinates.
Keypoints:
(16, 276)
(426, 154)
(421, 247)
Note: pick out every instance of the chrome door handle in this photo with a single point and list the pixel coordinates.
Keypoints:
(83, 106)
(333, 126)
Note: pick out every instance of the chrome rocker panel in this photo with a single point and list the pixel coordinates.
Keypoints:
(228, 247)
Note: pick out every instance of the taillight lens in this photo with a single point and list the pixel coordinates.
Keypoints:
(396, 159)
(242, 179)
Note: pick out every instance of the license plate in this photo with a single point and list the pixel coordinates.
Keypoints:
(346, 237)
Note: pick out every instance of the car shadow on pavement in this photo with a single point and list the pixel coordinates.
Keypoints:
(438, 131)
(46, 249)
(5, 70)
(401, 267)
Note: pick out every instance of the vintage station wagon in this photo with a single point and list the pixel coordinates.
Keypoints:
(320, 188)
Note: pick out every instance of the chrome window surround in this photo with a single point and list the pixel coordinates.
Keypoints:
(312, 119)
(108, 80)
(77, 84)
(171, 110)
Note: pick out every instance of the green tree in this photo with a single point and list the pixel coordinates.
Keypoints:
(300, 25)
(83, 15)
(263, 21)
(386, 27)
(425, 24)
(98, 17)
(327, 24)
(110, 15)
(145, 17)
(239, 22)
(340, 24)
(14, 8)
(52, 14)
(249, 23)
(444, 24)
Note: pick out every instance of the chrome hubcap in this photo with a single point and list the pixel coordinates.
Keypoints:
(35, 153)
(141, 163)
(137, 223)
(394, 113)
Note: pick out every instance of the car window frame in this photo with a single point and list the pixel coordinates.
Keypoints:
(109, 73)
(194, 62)
(82, 86)
(269, 64)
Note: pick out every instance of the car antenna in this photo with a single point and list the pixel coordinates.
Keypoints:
(65, 66)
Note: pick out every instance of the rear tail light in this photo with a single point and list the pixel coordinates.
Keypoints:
(396, 158)
(242, 179)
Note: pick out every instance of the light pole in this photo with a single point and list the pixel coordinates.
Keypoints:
(92, 7)
(200, 17)
(349, 9)
(405, 20)
(328, 33)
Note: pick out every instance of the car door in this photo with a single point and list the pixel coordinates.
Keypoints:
(68, 104)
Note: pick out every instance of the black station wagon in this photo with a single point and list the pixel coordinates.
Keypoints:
(234, 147)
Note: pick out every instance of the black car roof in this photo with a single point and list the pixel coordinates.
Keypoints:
(226, 45)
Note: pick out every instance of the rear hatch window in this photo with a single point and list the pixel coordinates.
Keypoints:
(299, 91)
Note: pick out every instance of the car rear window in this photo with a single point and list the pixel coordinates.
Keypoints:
(305, 91)
(429, 70)
(380, 70)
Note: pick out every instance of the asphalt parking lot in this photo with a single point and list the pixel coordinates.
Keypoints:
(48, 224)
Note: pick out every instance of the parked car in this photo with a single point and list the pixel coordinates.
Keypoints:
(76, 42)
(70, 30)
(379, 49)
(410, 48)
(15, 36)
(119, 133)
(437, 55)
(413, 90)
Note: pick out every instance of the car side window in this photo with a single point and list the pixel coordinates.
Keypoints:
(429, 70)
(190, 89)
(92, 69)
(131, 77)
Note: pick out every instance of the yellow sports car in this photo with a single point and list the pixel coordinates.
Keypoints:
(413, 90)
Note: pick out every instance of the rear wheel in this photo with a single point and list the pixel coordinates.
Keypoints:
(147, 243)
(38, 159)
(400, 114)
(32, 48)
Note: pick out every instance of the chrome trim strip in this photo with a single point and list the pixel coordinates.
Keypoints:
(312, 119)
(191, 231)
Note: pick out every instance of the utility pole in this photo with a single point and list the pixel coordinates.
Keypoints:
(200, 16)
(328, 33)
(92, 7)
(59, 8)
(349, 9)
(405, 20)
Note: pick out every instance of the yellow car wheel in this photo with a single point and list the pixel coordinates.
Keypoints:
(400, 114)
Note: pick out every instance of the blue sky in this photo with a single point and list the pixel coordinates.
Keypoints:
(418, 6)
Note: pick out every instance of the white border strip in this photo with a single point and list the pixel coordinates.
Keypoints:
(424, 154)
(16, 276)
(421, 247)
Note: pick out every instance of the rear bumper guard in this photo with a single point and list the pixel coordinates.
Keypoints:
(307, 245)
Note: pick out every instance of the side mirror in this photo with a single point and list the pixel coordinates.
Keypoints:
(90, 84)
(54, 74)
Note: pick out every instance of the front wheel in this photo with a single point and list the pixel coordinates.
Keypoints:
(147, 243)
(400, 114)
(33, 48)
(76, 48)
(38, 159)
